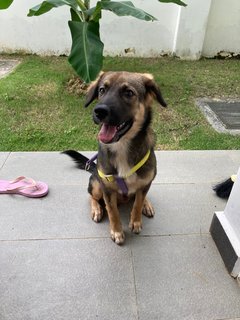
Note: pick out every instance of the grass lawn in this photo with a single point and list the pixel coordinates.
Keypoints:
(38, 113)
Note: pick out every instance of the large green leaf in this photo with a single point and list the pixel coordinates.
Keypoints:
(125, 8)
(179, 2)
(87, 49)
(4, 4)
(48, 5)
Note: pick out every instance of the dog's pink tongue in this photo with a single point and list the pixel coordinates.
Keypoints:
(107, 133)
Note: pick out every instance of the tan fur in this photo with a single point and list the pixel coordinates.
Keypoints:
(96, 209)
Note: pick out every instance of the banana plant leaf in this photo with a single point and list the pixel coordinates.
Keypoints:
(86, 55)
(4, 4)
(48, 5)
(126, 8)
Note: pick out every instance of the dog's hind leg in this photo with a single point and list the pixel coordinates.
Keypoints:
(95, 191)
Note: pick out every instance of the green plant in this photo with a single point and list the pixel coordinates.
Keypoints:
(86, 56)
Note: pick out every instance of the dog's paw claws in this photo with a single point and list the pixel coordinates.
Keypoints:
(135, 227)
(118, 237)
(148, 210)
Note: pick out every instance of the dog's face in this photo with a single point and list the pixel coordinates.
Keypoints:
(122, 97)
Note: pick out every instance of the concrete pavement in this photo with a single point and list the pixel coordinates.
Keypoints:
(56, 263)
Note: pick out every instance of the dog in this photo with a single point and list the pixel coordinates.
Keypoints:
(126, 162)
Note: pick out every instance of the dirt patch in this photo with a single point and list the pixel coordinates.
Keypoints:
(76, 86)
(227, 55)
(44, 90)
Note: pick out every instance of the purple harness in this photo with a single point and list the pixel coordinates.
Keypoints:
(120, 181)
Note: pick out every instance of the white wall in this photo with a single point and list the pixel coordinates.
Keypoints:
(191, 29)
(223, 30)
(205, 26)
(46, 34)
(145, 38)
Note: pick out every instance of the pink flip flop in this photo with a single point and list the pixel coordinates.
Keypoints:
(24, 186)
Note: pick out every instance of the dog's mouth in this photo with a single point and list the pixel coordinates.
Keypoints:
(110, 134)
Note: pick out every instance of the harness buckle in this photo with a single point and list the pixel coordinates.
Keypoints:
(87, 165)
(90, 161)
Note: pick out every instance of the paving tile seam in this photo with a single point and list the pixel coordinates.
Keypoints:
(108, 237)
(227, 319)
(52, 239)
(135, 286)
(174, 234)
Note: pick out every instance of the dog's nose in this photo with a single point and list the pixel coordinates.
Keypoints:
(101, 112)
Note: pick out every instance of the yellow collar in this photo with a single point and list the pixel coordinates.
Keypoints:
(111, 178)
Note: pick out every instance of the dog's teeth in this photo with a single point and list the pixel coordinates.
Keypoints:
(121, 125)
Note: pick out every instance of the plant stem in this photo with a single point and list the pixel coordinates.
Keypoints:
(81, 5)
(84, 6)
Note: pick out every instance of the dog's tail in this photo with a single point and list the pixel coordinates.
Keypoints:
(81, 160)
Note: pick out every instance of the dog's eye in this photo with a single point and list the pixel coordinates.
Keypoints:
(101, 91)
(129, 93)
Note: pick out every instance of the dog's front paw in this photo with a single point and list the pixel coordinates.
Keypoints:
(118, 237)
(148, 210)
(96, 212)
(135, 226)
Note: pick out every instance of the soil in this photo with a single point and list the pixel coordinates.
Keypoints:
(76, 86)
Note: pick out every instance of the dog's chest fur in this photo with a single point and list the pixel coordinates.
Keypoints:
(120, 159)
(120, 162)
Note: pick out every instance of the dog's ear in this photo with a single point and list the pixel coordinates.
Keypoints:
(153, 89)
(92, 93)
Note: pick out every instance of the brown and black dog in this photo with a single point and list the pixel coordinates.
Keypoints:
(126, 163)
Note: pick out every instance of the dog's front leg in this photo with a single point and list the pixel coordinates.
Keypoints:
(117, 233)
(136, 215)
